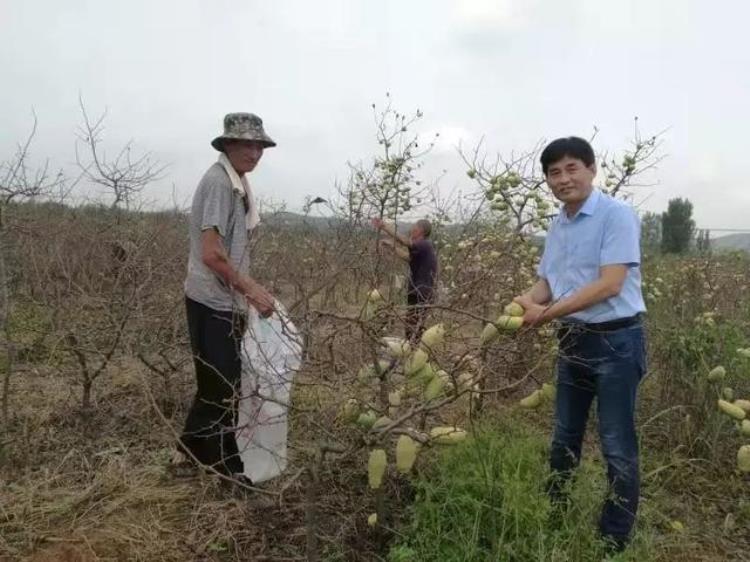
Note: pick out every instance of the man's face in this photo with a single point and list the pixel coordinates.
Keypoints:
(243, 154)
(416, 233)
(570, 180)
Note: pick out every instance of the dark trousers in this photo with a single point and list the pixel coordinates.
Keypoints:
(215, 338)
(416, 315)
(608, 366)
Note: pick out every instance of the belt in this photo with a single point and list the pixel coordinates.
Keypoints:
(609, 326)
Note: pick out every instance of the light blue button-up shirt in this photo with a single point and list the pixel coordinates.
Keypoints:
(605, 231)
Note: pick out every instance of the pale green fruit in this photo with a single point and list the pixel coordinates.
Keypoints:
(514, 309)
(731, 410)
(744, 404)
(367, 419)
(549, 391)
(677, 526)
(509, 323)
(532, 401)
(433, 336)
(717, 373)
(745, 428)
(372, 520)
(415, 362)
(406, 453)
(727, 393)
(424, 375)
(376, 468)
(489, 333)
(447, 435)
(743, 458)
(434, 388)
(445, 377)
(514, 323)
(397, 348)
(349, 411)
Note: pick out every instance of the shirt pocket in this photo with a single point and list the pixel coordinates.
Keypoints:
(583, 251)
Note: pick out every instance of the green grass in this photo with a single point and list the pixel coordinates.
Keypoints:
(484, 500)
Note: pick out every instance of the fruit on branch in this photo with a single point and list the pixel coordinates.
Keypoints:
(415, 362)
(349, 411)
(509, 323)
(376, 468)
(434, 388)
(717, 374)
(447, 435)
(406, 453)
(731, 410)
(367, 419)
(727, 393)
(424, 375)
(549, 392)
(396, 347)
(433, 336)
(532, 401)
(489, 334)
(513, 309)
(744, 404)
(743, 458)
(372, 520)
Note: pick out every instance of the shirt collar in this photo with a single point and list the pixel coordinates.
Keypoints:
(588, 208)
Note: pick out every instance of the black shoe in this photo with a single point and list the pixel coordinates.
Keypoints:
(236, 484)
(241, 479)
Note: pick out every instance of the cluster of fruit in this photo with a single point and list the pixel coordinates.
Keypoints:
(738, 410)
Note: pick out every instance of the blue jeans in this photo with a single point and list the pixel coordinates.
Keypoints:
(608, 366)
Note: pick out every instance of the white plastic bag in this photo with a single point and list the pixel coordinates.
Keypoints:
(271, 354)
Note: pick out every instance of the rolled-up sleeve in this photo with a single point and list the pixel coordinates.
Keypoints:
(621, 243)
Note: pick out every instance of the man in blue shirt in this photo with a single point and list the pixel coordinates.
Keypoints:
(590, 282)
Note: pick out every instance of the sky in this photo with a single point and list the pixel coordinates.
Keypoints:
(506, 71)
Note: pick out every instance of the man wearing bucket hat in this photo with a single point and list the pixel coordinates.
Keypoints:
(219, 293)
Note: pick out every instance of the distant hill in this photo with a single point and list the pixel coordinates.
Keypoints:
(739, 241)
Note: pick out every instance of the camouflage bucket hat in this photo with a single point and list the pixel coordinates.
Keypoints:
(242, 126)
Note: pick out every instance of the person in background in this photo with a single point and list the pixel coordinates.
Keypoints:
(590, 283)
(219, 293)
(418, 251)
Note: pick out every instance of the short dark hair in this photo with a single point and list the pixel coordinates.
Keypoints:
(573, 147)
(425, 226)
